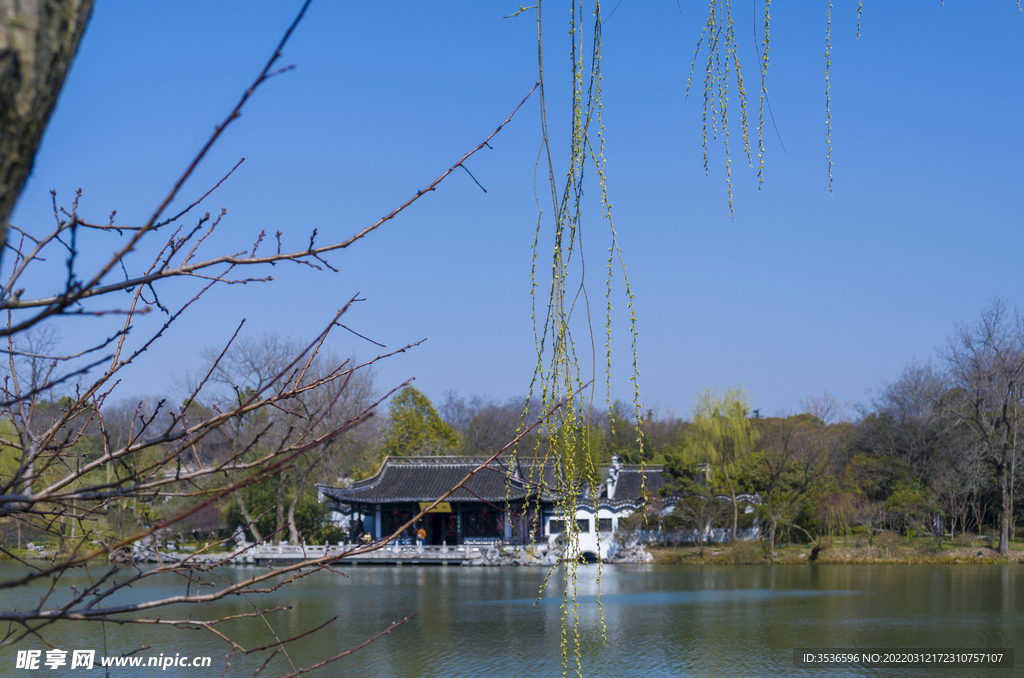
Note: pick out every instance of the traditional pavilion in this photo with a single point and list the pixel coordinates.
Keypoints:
(512, 504)
(481, 511)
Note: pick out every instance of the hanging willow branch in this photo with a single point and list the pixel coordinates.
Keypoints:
(722, 71)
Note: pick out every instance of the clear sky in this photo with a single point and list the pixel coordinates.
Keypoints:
(801, 292)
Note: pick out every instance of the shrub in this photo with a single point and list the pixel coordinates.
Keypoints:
(964, 539)
(327, 534)
(888, 539)
(746, 552)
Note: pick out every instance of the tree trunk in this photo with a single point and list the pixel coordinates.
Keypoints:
(245, 515)
(976, 513)
(771, 537)
(293, 531)
(735, 506)
(279, 510)
(300, 486)
(1013, 474)
(38, 40)
(1004, 510)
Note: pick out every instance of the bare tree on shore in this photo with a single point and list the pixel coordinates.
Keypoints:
(986, 365)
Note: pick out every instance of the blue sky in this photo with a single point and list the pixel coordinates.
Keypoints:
(800, 292)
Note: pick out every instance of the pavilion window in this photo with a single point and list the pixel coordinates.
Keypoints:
(481, 522)
(393, 518)
(556, 526)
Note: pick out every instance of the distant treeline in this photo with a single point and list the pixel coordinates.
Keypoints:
(935, 450)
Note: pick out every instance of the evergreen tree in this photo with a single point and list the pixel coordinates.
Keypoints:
(415, 429)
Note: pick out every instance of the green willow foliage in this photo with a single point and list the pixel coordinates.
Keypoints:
(721, 436)
(558, 376)
(559, 381)
(415, 428)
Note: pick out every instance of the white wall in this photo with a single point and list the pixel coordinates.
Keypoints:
(591, 541)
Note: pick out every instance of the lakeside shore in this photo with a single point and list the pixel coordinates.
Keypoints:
(840, 551)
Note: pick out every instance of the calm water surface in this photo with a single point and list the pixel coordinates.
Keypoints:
(659, 620)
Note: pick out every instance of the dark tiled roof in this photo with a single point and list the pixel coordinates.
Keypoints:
(415, 479)
(633, 482)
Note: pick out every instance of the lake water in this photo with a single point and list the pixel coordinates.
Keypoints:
(659, 620)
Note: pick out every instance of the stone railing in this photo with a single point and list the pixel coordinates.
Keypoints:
(386, 552)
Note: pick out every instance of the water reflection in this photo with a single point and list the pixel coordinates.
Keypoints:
(659, 621)
(707, 597)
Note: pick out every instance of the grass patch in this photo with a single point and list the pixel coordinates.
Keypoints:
(843, 551)
(744, 553)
